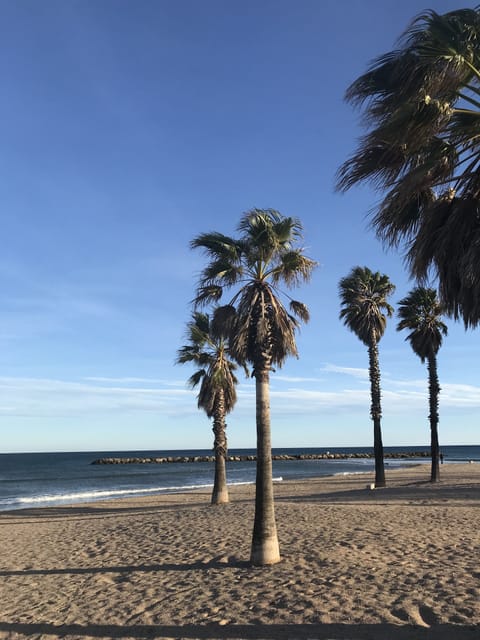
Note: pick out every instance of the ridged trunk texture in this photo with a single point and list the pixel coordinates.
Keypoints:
(220, 490)
(376, 412)
(433, 392)
(265, 549)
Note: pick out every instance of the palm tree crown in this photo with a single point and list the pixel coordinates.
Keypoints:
(208, 350)
(263, 257)
(420, 313)
(363, 295)
(422, 110)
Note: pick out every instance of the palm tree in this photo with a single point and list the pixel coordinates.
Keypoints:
(262, 332)
(363, 296)
(421, 106)
(420, 312)
(208, 349)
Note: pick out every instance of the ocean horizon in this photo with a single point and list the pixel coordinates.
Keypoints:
(30, 480)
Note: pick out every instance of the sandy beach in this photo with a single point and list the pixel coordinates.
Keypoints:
(392, 564)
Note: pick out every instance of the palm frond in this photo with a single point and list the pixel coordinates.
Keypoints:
(199, 326)
(267, 234)
(208, 294)
(464, 129)
(221, 272)
(300, 310)
(196, 378)
(293, 268)
(447, 247)
(401, 215)
(422, 150)
(223, 321)
(376, 161)
(217, 245)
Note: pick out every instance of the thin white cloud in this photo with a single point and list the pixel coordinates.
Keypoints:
(92, 396)
(49, 397)
(295, 379)
(349, 371)
(459, 395)
(398, 396)
(135, 380)
(421, 384)
(51, 312)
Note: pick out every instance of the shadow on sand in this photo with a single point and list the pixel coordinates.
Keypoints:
(142, 568)
(99, 510)
(250, 632)
(414, 493)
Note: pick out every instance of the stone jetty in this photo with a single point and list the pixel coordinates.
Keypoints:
(250, 458)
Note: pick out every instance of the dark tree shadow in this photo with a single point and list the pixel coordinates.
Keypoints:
(145, 568)
(250, 632)
(101, 510)
(418, 492)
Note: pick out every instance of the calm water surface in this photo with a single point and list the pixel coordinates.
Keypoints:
(47, 479)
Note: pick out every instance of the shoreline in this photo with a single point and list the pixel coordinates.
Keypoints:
(398, 562)
(46, 502)
(60, 500)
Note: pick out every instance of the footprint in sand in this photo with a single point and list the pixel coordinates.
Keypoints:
(421, 615)
(428, 615)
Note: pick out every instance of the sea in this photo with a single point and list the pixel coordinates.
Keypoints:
(29, 480)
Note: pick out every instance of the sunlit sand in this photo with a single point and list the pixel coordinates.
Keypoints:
(395, 563)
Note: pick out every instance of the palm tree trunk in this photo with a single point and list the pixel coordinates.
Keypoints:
(433, 391)
(265, 549)
(376, 412)
(220, 490)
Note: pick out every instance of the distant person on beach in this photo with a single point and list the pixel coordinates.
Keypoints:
(441, 458)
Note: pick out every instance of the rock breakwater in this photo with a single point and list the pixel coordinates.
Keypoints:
(251, 458)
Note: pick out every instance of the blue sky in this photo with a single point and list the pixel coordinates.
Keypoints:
(130, 126)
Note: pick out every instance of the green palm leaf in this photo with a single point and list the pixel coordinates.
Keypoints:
(421, 107)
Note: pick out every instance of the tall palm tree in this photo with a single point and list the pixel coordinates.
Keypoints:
(421, 106)
(420, 312)
(208, 349)
(262, 332)
(363, 296)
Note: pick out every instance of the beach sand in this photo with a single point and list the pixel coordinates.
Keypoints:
(400, 563)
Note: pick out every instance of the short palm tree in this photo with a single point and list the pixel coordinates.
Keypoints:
(421, 106)
(363, 296)
(420, 312)
(208, 350)
(262, 332)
